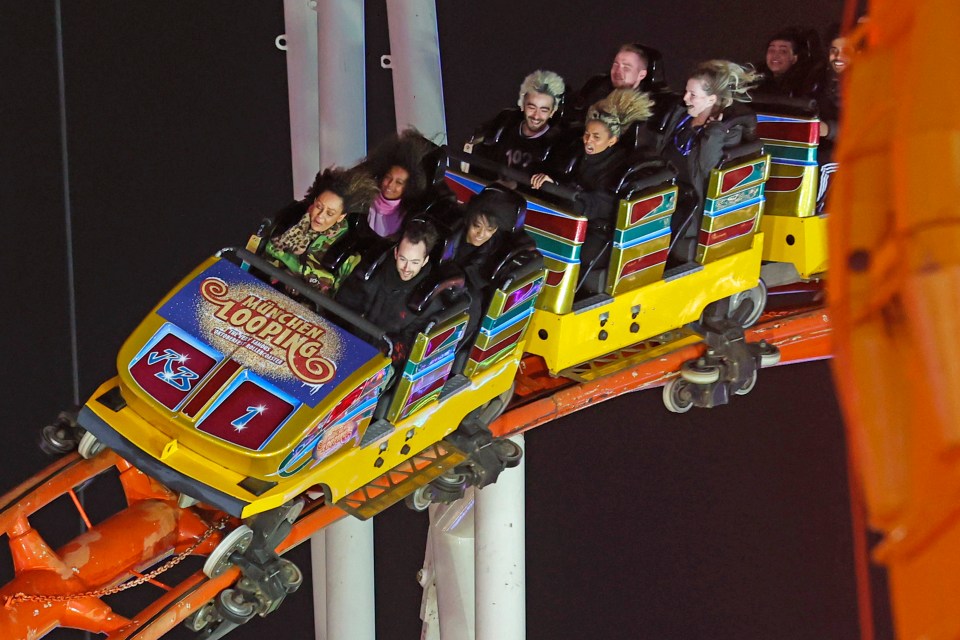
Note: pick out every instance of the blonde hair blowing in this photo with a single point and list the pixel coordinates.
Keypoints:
(620, 109)
(542, 81)
(727, 80)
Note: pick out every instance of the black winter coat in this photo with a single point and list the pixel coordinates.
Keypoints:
(695, 151)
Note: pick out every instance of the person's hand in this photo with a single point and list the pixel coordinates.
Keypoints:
(824, 129)
(537, 180)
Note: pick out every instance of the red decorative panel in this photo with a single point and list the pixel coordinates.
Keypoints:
(247, 417)
(722, 235)
(644, 262)
(802, 132)
(644, 207)
(554, 278)
(784, 184)
(569, 228)
(210, 387)
(171, 369)
(734, 177)
(479, 355)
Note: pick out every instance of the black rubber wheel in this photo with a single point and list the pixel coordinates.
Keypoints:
(509, 452)
(449, 487)
(290, 575)
(57, 439)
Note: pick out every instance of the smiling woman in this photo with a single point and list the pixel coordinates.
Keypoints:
(397, 166)
(710, 119)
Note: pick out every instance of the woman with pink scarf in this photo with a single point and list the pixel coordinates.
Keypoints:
(396, 165)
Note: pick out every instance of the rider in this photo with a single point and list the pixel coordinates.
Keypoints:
(334, 194)
(522, 138)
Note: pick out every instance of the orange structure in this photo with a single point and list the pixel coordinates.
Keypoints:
(895, 300)
(65, 587)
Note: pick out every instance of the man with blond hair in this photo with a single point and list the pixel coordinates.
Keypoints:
(521, 139)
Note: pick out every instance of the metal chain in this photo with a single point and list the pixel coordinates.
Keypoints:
(9, 601)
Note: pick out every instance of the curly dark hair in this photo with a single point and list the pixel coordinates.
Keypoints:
(494, 205)
(356, 188)
(407, 151)
(420, 230)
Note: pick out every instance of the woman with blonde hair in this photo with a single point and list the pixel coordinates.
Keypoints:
(711, 118)
(696, 132)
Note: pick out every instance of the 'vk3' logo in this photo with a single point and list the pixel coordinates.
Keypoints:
(180, 378)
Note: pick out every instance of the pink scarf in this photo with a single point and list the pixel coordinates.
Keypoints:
(385, 216)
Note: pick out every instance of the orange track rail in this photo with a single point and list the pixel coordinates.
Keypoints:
(802, 337)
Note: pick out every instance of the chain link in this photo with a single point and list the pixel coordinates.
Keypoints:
(9, 601)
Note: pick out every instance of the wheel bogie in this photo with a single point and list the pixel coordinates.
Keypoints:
(746, 307)
(769, 359)
(420, 499)
(202, 617)
(509, 452)
(290, 575)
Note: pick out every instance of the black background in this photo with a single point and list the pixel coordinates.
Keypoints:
(729, 523)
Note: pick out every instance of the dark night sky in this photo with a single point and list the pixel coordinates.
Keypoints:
(729, 523)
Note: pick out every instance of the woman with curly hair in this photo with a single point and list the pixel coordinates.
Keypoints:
(598, 168)
(397, 166)
(334, 194)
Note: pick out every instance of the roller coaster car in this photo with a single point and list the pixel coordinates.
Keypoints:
(641, 304)
(794, 232)
(232, 393)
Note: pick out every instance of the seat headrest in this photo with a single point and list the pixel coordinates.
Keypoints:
(656, 74)
(433, 288)
(741, 151)
(434, 166)
(782, 105)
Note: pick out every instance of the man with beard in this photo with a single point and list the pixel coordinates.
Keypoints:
(384, 297)
(521, 139)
